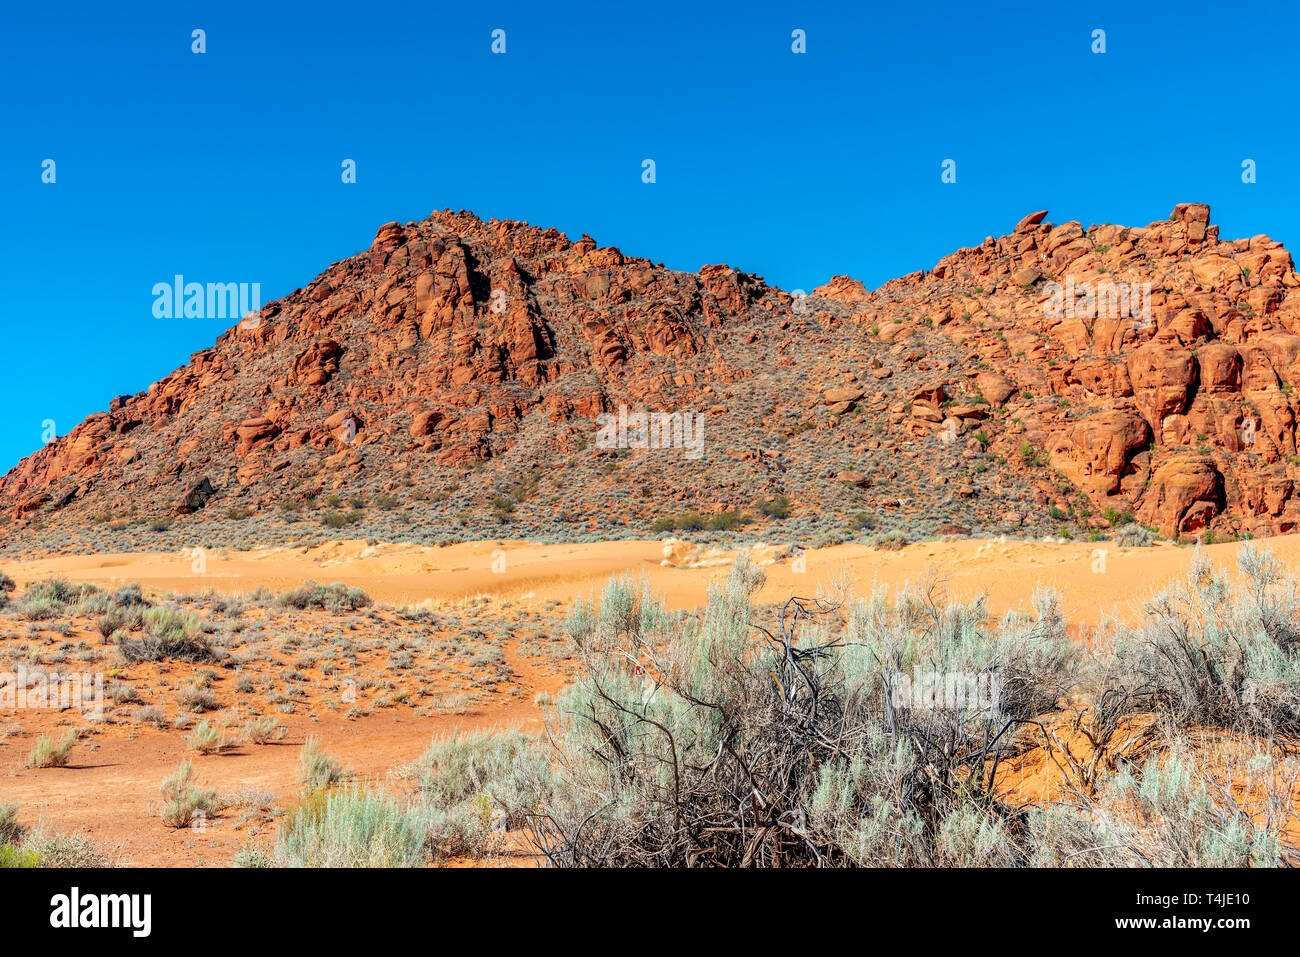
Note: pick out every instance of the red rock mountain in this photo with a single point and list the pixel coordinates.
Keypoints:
(444, 384)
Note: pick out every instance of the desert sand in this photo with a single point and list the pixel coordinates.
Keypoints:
(1097, 580)
(107, 791)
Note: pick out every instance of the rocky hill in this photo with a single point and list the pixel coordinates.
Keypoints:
(448, 383)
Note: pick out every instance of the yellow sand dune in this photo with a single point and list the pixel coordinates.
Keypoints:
(1096, 579)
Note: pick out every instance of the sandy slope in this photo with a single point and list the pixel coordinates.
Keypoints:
(107, 792)
(1096, 579)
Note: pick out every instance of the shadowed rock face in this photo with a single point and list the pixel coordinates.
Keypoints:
(196, 498)
(456, 359)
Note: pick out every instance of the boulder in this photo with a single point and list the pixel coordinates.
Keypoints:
(994, 387)
(1095, 452)
(841, 395)
(1162, 377)
(1220, 368)
(932, 392)
(318, 364)
(1030, 221)
(196, 497)
(1185, 494)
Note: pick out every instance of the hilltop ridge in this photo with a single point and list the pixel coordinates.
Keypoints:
(446, 383)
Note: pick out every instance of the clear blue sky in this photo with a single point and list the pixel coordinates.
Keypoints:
(226, 166)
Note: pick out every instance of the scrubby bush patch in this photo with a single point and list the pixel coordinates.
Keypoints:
(169, 633)
(721, 739)
(317, 769)
(51, 752)
(357, 826)
(335, 597)
(184, 803)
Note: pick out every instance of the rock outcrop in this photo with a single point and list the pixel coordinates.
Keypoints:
(1059, 369)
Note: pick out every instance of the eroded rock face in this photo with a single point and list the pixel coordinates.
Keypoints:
(1186, 494)
(1153, 365)
(1162, 378)
(442, 344)
(319, 363)
(1095, 452)
(1220, 367)
(1145, 370)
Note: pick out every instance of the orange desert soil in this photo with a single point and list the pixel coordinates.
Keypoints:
(107, 791)
(1096, 579)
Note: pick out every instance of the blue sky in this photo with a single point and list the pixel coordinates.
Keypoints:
(225, 166)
